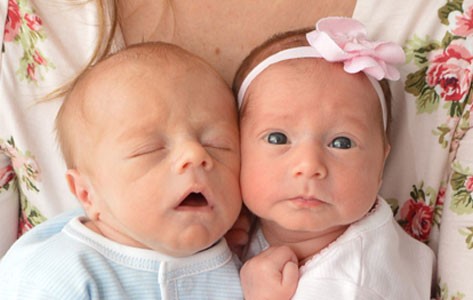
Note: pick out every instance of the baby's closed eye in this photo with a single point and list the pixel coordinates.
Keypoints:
(146, 149)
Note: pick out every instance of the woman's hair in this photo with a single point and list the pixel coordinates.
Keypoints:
(107, 26)
(283, 41)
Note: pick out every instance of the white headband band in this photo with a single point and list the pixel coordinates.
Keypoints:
(295, 53)
(345, 40)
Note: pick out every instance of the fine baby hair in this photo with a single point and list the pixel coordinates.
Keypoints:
(335, 39)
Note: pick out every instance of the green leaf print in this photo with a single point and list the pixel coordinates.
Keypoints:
(415, 82)
(428, 101)
(394, 204)
(442, 132)
(456, 108)
(458, 181)
(462, 201)
(417, 50)
(8, 185)
(30, 215)
(444, 294)
(468, 233)
(448, 38)
(464, 124)
(445, 10)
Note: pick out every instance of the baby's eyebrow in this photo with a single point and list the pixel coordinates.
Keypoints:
(137, 129)
(356, 122)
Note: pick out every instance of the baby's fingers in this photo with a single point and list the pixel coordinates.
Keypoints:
(290, 277)
(279, 256)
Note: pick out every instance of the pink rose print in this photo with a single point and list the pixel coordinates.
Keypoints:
(469, 184)
(30, 71)
(33, 22)
(24, 164)
(6, 175)
(24, 224)
(13, 22)
(26, 170)
(25, 28)
(461, 24)
(38, 58)
(417, 217)
(441, 196)
(450, 71)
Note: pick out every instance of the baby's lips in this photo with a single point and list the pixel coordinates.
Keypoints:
(194, 200)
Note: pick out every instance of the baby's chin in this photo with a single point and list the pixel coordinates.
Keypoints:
(191, 241)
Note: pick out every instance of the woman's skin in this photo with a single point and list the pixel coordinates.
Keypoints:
(221, 32)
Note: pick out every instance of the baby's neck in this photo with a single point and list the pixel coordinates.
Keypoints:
(305, 244)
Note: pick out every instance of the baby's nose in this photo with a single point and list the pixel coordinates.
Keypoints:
(309, 162)
(192, 155)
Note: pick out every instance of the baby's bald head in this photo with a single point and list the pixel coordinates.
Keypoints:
(95, 95)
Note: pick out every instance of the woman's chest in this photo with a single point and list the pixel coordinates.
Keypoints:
(223, 32)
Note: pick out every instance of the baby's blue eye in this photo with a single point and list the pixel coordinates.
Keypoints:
(341, 143)
(277, 138)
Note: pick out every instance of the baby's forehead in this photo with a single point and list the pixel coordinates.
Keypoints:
(123, 72)
(322, 80)
(320, 74)
(116, 83)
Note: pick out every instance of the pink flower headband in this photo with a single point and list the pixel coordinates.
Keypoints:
(339, 39)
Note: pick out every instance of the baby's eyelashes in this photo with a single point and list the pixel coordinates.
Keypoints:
(145, 150)
(277, 138)
(218, 145)
(339, 142)
(225, 142)
(342, 142)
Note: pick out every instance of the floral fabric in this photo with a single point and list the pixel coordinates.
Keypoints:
(428, 178)
(24, 27)
(33, 64)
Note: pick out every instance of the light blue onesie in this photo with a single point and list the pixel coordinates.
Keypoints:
(63, 259)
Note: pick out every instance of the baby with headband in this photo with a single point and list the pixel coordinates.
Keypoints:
(314, 120)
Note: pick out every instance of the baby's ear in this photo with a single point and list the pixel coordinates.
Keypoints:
(80, 186)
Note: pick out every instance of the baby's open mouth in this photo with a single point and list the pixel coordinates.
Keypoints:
(194, 200)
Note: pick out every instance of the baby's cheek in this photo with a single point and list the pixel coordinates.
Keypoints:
(254, 190)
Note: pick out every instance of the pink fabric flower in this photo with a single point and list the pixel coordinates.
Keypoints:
(13, 22)
(417, 219)
(450, 71)
(346, 40)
